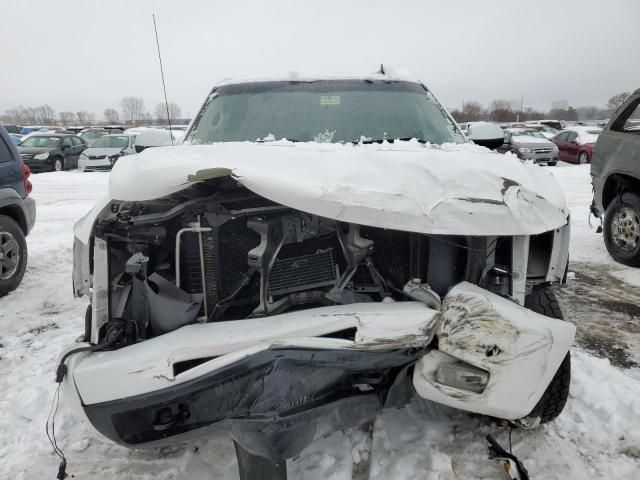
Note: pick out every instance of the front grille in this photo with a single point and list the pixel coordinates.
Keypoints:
(302, 273)
(97, 157)
(542, 150)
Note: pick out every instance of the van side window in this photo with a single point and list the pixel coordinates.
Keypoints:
(629, 119)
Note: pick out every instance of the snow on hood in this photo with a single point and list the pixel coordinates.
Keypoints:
(453, 189)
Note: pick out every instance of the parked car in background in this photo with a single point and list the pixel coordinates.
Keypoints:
(547, 131)
(105, 151)
(11, 128)
(16, 138)
(615, 173)
(31, 129)
(51, 151)
(152, 137)
(576, 143)
(17, 214)
(487, 134)
(529, 144)
(557, 124)
(90, 135)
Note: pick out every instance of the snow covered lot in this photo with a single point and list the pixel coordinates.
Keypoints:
(597, 436)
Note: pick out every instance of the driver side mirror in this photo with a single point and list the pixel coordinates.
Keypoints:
(486, 134)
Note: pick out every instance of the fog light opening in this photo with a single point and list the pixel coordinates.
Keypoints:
(462, 376)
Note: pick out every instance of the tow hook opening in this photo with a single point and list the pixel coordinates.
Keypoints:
(168, 417)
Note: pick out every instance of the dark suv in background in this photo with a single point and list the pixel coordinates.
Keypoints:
(17, 214)
(615, 172)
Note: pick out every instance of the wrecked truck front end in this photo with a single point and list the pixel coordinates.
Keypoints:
(219, 308)
(281, 290)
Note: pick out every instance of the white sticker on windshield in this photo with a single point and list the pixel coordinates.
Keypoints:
(330, 100)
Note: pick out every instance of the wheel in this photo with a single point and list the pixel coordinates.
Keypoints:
(552, 164)
(542, 300)
(13, 255)
(58, 165)
(583, 158)
(622, 229)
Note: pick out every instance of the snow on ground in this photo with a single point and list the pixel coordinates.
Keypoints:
(598, 435)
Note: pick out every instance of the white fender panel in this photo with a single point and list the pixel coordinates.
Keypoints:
(520, 349)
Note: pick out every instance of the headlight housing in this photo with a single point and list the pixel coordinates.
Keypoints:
(524, 150)
(555, 149)
(41, 156)
(83, 157)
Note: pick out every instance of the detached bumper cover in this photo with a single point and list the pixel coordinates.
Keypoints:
(278, 383)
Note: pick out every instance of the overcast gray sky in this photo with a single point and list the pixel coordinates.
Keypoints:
(88, 54)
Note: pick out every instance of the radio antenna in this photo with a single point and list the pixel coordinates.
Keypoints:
(164, 86)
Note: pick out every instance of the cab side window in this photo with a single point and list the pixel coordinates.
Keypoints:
(629, 119)
(76, 141)
(66, 143)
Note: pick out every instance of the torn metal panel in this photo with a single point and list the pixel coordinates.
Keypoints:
(149, 365)
(520, 349)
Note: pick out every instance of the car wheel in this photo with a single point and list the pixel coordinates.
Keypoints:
(622, 229)
(13, 255)
(542, 300)
(583, 158)
(58, 164)
(552, 164)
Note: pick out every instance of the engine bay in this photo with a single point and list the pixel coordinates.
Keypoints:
(216, 252)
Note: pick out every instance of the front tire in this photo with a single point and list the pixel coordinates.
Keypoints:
(542, 300)
(622, 229)
(583, 158)
(13, 255)
(58, 165)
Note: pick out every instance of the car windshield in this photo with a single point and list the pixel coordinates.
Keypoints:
(41, 141)
(109, 141)
(92, 135)
(329, 111)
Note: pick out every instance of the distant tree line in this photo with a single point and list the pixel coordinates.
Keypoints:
(132, 112)
(502, 110)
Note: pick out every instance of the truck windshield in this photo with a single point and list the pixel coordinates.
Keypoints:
(329, 111)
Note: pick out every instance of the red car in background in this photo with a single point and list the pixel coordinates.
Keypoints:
(576, 143)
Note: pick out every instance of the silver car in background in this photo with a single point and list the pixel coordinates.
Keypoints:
(530, 144)
(106, 150)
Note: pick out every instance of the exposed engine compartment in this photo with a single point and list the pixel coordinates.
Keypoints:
(216, 251)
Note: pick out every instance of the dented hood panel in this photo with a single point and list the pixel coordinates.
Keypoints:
(449, 189)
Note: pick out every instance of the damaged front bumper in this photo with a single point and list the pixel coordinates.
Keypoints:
(278, 383)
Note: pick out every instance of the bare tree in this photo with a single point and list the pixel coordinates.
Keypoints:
(561, 110)
(45, 115)
(160, 112)
(615, 101)
(67, 118)
(591, 112)
(132, 109)
(86, 118)
(111, 116)
(501, 110)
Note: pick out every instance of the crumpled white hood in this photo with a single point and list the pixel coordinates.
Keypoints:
(452, 189)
